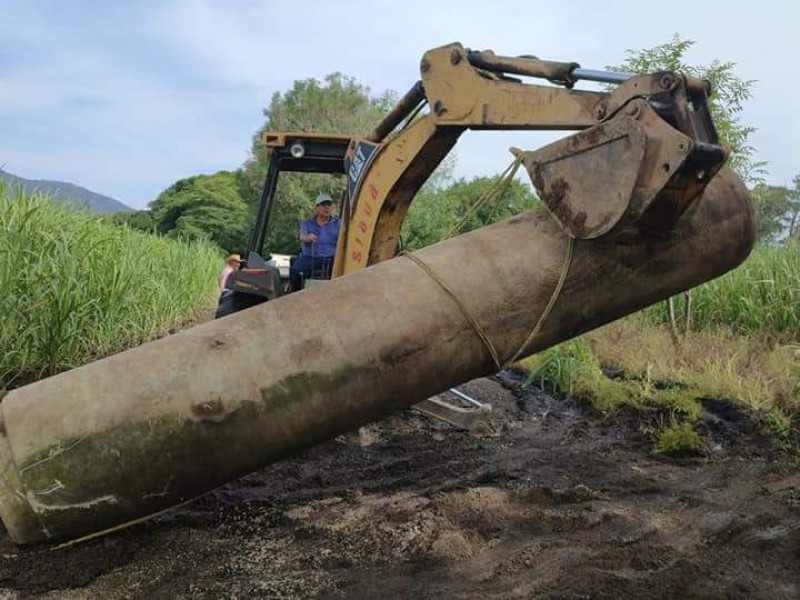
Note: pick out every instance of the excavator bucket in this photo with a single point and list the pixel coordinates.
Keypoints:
(658, 172)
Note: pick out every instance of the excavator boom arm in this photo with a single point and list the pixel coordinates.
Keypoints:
(650, 133)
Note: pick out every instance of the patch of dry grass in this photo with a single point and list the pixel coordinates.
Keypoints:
(754, 370)
(668, 380)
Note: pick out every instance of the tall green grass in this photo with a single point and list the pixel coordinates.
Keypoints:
(74, 287)
(762, 295)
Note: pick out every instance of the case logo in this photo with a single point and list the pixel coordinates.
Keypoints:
(362, 157)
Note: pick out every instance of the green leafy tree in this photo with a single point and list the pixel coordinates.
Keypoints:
(448, 210)
(140, 220)
(204, 207)
(431, 216)
(773, 205)
(777, 211)
(729, 93)
(509, 200)
(339, 105)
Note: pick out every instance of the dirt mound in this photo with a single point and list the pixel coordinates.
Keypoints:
(555, 503)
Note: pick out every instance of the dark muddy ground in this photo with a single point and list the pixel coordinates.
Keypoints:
(557, 503)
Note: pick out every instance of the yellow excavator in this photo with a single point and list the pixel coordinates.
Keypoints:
(646, 148)
(637, 207)
(651, 137)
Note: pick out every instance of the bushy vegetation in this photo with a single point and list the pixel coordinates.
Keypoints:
(459, 207)
(668, 407)
(204, 207)
(743, 346)
(762, 295)
(74, 287)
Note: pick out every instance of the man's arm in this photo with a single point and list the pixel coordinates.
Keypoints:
(306, 236)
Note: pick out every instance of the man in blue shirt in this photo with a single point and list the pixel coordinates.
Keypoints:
(318, 236)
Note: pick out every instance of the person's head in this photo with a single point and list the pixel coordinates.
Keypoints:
(234, 260)
(323, 205)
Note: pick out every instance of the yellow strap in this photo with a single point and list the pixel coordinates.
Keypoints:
(493, 192)
(487, 343)
(462, 307)
(553, 297)
(125, 525)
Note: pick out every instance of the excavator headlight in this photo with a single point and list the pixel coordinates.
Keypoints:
(297, 150)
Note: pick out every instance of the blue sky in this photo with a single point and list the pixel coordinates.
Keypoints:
(124, 99)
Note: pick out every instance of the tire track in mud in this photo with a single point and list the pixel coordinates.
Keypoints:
(556, 503)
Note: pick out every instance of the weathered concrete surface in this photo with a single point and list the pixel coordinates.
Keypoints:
(136, 433)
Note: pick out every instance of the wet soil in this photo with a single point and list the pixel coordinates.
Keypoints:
(552, 501)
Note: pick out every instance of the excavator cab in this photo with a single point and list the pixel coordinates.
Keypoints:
(261, 276)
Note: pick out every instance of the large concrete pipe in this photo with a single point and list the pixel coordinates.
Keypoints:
(136, 433)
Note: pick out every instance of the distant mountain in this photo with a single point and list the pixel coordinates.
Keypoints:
(68, 193)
